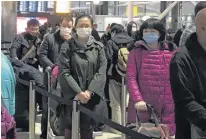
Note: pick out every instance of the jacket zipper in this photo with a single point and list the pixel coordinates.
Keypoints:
(164, 68)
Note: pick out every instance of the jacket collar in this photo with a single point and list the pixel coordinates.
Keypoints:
(193, 45)
(164, 45)
(76, 45)
(121, 38)
(141, 43)
(58, 37)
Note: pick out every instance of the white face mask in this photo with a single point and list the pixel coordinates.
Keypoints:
(83, 32)
(134, 29)
(64, 31)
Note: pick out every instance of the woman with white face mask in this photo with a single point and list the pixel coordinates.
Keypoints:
(147, 76)
(86, 59)
(132, 32)
(131, 28)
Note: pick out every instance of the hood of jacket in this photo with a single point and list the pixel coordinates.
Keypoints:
(122, 38)
(144, 45)
(89, 42)
(58, 37)
(193, 44)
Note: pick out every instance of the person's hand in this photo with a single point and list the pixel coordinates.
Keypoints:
(67, 37)
(17, 62)
(88, 93)
(165, 131)
(141, 106)
(83, 97)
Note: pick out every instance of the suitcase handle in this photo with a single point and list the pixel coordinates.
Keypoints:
(153, 116)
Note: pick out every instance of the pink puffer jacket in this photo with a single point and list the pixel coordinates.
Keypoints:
(8, 125)
(151, 84)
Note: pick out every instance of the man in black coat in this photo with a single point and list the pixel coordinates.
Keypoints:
(48, 57)
(24, 58)
(50, 46)
(188, 78)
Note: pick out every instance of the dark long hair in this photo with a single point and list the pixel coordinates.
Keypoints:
(118, 28)
(129, 27)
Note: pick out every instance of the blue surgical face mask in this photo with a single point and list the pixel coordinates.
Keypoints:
(150, 38)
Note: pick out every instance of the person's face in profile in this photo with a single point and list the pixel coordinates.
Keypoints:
(200, 24)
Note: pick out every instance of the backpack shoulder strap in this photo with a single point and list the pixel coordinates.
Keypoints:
(28, 53)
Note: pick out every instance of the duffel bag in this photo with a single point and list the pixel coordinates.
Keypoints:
(152, 129)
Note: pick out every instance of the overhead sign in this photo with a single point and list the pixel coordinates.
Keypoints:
(63, 7)
(35, 6)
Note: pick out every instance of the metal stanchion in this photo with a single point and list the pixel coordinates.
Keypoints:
(166, 11)
(75, 119)
(123, 104)
(32, 110)
(48, 71)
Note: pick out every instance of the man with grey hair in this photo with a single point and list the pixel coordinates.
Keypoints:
(191, 29)
(188, 78)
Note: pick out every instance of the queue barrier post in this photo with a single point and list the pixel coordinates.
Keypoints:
(32, 110)
(123, 104)
(49, 132)
(75, 119)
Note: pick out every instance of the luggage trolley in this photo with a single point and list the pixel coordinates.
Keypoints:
(52, 124)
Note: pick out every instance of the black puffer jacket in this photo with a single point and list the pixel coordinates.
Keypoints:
(21, 44)
(50, 48)
(187, 79)
(112, 49)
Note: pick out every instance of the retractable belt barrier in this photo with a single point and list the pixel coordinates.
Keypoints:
(86, 111)
(46, 93)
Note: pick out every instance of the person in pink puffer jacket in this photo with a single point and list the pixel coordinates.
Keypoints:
(147, 76)
(8, 125)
